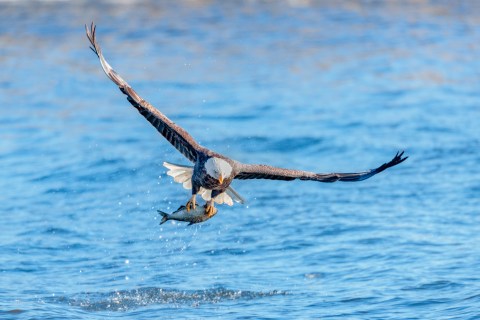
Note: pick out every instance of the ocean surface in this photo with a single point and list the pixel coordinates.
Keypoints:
(324, 86)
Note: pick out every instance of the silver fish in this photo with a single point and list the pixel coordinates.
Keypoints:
(192, 216)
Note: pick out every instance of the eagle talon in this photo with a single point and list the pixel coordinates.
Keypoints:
(191, 204)
(210, 210)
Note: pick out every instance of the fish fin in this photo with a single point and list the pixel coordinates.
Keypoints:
(164, 215)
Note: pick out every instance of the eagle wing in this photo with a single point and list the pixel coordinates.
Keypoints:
(177, 136)
(259, 171)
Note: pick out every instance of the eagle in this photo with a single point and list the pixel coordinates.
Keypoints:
(212, 173)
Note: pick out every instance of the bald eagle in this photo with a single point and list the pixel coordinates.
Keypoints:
(212, 173)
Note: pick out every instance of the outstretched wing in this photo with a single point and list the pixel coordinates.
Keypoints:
(259, 171)
(178, 137)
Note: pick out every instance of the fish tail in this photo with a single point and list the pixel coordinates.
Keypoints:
(164, 216)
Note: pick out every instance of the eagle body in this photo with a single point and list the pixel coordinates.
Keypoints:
(212, 173)
(207, 170)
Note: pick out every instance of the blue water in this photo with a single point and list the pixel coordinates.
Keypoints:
(300, 84)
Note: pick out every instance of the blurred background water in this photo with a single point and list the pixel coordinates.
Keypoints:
(316, 85)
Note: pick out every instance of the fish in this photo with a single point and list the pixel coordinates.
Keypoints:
(196, 215)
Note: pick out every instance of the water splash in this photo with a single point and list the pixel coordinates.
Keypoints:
(125, 300)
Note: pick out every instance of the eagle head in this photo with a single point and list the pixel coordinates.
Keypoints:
(218, 169)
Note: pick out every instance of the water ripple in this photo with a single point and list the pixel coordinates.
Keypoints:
(435, 285)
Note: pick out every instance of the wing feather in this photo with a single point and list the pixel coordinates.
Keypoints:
(259, 171)
(177, 136)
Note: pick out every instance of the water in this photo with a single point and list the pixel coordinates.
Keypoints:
(300, 84)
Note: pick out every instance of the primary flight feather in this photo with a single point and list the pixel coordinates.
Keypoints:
(212, 173)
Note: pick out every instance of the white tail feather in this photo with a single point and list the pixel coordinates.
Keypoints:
(183, 174)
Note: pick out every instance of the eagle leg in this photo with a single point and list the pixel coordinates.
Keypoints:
(210, 210)
(192, 203)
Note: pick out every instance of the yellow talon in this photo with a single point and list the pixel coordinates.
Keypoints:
(210, 210)
(191, 204)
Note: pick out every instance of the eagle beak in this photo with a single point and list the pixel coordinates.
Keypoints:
(220, 179)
